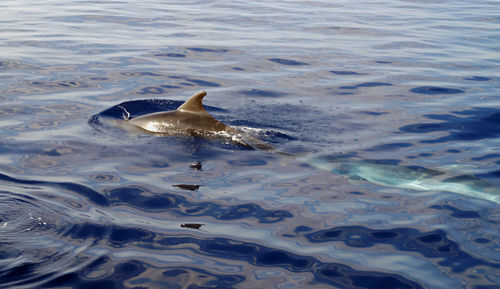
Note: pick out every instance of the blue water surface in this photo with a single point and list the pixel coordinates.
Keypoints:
(384, 116)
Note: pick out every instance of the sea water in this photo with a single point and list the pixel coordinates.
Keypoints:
(359, 99)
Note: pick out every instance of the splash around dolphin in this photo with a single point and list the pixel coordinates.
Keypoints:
(191, 118)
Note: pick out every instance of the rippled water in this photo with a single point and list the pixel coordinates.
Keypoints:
(391, 110)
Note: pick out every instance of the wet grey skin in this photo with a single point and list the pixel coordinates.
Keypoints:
(192, 118)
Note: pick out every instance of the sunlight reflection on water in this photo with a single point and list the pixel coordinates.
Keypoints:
(403, 85)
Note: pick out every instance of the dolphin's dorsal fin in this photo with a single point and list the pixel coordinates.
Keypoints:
(193, 104)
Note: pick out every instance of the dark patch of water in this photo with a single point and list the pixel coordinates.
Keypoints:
(170, 86)
(486, 157)
(389, 146)
(366, 84)
(457, 213)
(434, 244)
(434, 90)
(470, 125)
(85, 191)
(212, 50)
(490, 175)
(261, 93)
(345, 72)
(147, 200)
(335, 274)
(478, 78)
(176, 55)
(288, 62)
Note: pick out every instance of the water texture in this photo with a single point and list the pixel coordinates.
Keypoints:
(384, 116)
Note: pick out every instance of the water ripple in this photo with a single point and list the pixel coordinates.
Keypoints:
(466, 125)
(395, 93)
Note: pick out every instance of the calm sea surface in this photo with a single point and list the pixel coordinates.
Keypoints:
(388, 112)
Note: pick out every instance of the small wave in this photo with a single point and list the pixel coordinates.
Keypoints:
(31, 251)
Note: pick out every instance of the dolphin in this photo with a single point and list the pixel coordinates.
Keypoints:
(191, 118)
(407, 177)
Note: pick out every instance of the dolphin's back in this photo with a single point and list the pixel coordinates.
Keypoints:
(191, 118)
(175, 121)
